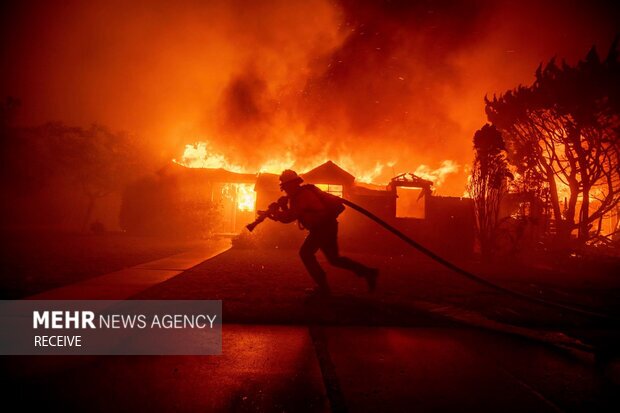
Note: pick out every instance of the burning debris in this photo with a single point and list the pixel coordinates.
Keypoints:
(406, 201)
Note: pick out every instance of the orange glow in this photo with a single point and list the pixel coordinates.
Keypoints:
(201, 155)
(410, 203)
(332, 189)
(246, 197)
(437, 176)
(367, 176)
(242, 194)
(289, 84)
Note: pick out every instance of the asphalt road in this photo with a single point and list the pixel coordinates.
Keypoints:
(355, 352)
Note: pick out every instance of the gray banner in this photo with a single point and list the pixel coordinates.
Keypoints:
(188, 327)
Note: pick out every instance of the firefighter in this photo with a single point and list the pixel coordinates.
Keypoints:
(317, 211)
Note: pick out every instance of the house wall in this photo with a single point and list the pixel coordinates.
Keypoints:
(448, 228)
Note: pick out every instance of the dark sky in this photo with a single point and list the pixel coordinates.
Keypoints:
(374, 82)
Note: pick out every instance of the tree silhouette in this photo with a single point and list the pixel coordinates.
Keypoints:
(58, 159)
(488, 183)
(96, 159)
(563, 132)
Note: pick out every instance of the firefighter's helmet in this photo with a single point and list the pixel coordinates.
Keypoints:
(289, 176)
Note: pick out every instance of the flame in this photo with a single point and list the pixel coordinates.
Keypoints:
(246, 197)
(367, 176)
(202, 155)
(437, 176)
(243, 194)
(276, 166)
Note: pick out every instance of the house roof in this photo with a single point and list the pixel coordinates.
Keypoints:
(411, 180)
(329, 173)
(213, 174)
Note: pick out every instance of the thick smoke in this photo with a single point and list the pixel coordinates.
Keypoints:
(397, 82)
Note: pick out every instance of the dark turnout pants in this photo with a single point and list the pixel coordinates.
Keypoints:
(325, 238)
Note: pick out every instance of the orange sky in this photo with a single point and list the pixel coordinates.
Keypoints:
(374, 81)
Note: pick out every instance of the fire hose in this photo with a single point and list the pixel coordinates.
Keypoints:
(432, 255)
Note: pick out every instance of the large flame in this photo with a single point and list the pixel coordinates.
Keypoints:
(246, 197)
(242, 194)
(437, 176)
(202, 155)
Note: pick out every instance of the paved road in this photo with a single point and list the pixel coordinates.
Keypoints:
(125, 283)
(294, 368)
(355, 352)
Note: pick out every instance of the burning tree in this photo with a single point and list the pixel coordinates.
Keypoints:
(488, 183)
(563, 132)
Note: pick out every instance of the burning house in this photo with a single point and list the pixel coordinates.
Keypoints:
(445, 224)
(231, 193)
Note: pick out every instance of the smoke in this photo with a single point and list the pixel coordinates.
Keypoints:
(396, 83)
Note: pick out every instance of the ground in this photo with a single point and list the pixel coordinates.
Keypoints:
(35, 261)
(427, 340)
